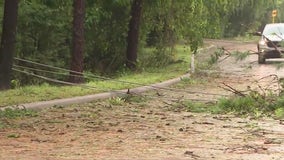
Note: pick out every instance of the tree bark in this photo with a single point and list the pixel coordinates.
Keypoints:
(77, 63)
(133, 34)
(8, 42)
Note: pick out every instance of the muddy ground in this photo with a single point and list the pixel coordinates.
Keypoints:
(154, 125)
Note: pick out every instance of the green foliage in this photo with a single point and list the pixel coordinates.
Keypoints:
(279, 113)
(195, 107)
(250, 17)
(241, 106)
(156, 58)
(44, 29)
(200, 107)
(117, 101)
(106, 28)
(279, 107)
(253, 104)
(15, 83)
(215, 56)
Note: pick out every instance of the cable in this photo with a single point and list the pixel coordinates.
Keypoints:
(87, 75)
(54, 80)
(120, 81)
(46, 71)
(63, 69)
(67, 83)
(41, 70)
(121, 92)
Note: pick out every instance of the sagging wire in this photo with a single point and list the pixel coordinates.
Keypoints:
(42, 70)
(53, 80)
(120, 92)
(91, 76)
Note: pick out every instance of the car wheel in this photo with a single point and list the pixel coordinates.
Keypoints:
(261, 58)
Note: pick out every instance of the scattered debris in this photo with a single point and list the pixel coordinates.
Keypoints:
(190, 153)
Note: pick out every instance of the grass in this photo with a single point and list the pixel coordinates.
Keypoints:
(13, 114)
(150, 75)
(116, 101)
(251, 105)
(17, 113)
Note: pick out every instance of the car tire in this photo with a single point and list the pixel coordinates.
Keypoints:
(261, 58)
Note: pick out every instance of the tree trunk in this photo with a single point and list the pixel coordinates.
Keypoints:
(133, 34)
(78, 42)
(8, 42)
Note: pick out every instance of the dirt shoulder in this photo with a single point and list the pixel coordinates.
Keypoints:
(152, 125)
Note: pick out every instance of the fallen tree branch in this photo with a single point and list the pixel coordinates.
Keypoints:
(233, 90)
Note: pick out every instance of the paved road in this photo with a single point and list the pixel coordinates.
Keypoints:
(248, 65)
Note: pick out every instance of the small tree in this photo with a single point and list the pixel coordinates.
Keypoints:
(8, 42)
(78, 42)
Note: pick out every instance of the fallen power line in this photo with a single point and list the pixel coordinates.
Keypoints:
(121, 92)
(91, 76)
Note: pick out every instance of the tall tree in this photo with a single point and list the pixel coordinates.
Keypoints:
(133, 34)
(78, 42)
(8, 42)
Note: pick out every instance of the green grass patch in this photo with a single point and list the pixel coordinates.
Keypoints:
(252, 105)
(13, 114)
(279, 108)
(17, 113)
(118, 101)
(199, 107)
(279, 113)
(245, 106)
(196, 107)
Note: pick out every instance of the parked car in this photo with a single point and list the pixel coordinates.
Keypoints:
(271, 43)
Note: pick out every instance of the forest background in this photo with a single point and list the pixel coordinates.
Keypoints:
(120, 38)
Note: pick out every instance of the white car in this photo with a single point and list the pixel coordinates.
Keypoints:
(271, 43)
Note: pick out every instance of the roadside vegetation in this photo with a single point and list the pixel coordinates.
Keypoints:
(13, 114)
(122, 80)
(248, 106)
